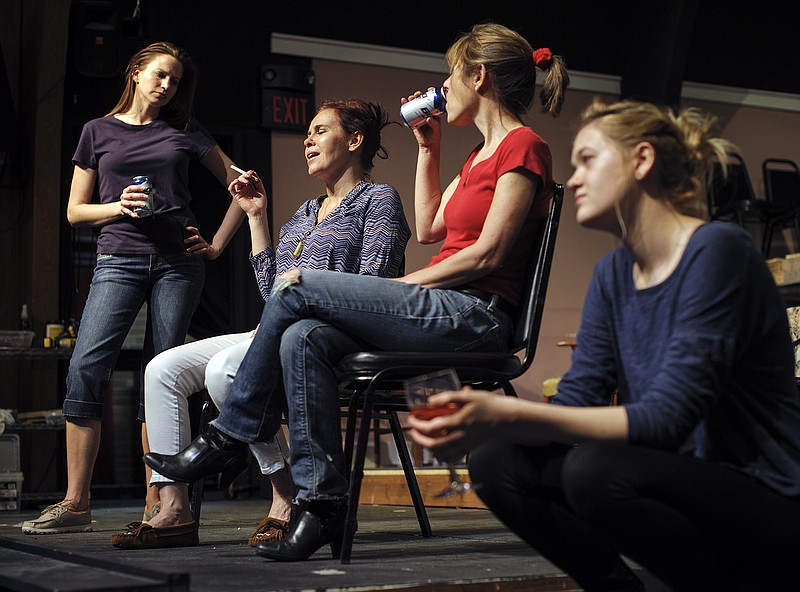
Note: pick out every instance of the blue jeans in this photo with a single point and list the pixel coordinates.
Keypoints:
(308, 325)
(171, 286)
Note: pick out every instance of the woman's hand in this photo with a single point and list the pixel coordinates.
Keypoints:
(132, 197)
(429, 134)
(198, 245)
(451, 436)
(249, 193)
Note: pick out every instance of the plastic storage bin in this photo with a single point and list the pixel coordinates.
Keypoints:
(9, 452)
(16, 338)
(10, 475)
(10, 490)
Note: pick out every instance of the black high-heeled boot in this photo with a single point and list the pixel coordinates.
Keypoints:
(210, 453)
(318, 524)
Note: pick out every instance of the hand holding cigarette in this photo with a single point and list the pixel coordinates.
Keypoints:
(248, 191)
(252, 179)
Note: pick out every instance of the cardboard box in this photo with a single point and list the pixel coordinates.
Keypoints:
(10, 490)
(785, 270)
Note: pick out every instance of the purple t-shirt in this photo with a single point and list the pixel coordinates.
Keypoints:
(118, 152)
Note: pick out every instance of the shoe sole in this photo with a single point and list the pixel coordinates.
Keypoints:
(66, 529)
(155, 544)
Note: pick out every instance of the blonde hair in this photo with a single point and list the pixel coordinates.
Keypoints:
(684, 145)
(178, 112)
(509, 61)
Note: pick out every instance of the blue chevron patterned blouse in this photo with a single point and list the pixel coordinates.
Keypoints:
(367, 234)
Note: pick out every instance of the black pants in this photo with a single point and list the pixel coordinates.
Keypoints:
(694, 524)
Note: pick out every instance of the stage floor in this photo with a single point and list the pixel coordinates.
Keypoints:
(470, 551)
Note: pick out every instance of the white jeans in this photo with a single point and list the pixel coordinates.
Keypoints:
(175, 374)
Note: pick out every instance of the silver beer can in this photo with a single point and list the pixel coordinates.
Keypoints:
(147, 188)
(428, 104)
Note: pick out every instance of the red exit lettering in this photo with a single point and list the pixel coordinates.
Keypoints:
(289, 110)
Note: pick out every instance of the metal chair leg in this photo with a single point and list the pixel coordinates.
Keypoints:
(411, 477)
(196, 494)
(356, 477)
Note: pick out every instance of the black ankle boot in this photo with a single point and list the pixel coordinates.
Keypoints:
(317, 525)
(210, 453)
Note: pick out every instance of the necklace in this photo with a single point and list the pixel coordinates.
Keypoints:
(298, 250)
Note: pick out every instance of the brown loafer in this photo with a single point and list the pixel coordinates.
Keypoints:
(141, 535)
(269, 530)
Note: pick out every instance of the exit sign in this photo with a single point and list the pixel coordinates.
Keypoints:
(286, 110)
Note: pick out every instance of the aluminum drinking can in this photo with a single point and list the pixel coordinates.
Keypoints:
(428, 104)
(147, 188)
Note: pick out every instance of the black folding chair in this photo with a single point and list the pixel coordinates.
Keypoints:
(782, 190)
(731, 196)
(370, 381)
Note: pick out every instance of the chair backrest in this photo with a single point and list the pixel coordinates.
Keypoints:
(729, 190)
(781, 181)
(529, 318)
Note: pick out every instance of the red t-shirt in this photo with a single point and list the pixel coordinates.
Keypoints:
(469, 205)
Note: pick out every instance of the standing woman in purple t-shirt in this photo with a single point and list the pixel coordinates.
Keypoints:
(153, 259)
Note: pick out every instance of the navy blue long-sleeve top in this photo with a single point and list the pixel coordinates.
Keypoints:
(703, 362)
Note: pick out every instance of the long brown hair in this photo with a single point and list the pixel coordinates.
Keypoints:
(178, 112)
(509, 61)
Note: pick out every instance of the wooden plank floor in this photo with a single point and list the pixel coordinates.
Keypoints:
(388, 487)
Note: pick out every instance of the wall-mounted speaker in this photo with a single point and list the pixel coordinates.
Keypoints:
(96, 30)
(292, 77)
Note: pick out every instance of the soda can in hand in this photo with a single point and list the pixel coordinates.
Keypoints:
(428, 104)
(147, 188)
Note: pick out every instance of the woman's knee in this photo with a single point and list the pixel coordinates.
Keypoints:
(301, 336)
(158, 368)
(490, 470)
(168, 373)
(219, 377)
(222, 367)
(590, 476)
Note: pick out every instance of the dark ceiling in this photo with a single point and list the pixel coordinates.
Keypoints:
(652, 45)
(744, 45)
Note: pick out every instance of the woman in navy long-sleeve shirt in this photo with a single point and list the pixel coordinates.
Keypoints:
(696, 473)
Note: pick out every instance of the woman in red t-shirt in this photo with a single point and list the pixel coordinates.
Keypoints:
(463, 300)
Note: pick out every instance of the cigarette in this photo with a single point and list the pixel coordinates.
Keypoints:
(241, 172)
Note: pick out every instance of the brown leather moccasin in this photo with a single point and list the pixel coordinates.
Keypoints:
(270, 529)
(140, 535)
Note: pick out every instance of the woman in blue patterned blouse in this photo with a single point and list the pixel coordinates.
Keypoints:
(356, 226)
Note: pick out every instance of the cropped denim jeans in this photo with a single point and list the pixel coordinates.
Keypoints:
(171, 286)
(310, 322)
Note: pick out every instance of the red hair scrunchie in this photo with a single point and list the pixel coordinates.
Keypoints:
(542, 57)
